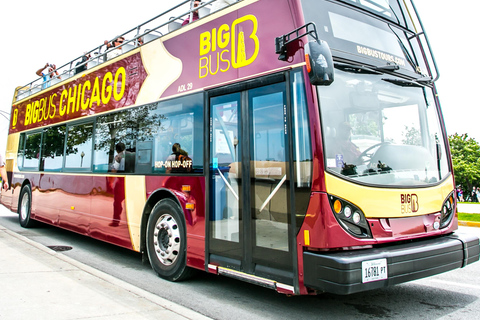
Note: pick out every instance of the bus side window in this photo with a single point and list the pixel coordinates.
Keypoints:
(32, 150)
(78, 155)
(53, 143)
(21, 151)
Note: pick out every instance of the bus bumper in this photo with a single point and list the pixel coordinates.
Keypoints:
(341, 272)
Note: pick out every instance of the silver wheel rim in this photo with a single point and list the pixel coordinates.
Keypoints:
(24, 206)
(166, 239)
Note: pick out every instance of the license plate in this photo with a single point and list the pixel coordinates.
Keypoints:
(374, 270)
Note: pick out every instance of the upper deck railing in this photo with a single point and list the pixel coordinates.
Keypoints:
(148, 31)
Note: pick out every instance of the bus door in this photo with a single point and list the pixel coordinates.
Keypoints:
(250, 209)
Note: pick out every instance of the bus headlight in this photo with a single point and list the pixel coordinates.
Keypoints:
(350, 217)
(448, 211)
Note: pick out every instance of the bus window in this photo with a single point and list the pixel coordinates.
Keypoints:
(32, 150)
(21, 151)
(179, 125)
(115, 141)
(53, 143)
(154, 129)
(380, 132)
(78, 154)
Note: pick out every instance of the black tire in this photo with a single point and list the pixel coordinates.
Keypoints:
(167, 241)
(25, 208)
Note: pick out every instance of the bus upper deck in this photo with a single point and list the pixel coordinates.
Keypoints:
(157, 27)
(394, 12)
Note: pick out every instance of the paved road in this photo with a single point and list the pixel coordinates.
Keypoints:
(453, 295)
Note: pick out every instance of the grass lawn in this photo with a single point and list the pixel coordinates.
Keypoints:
(469, 217)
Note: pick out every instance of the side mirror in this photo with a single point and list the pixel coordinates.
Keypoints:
(319, 63)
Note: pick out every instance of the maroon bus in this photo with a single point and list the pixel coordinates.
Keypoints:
(295, 144)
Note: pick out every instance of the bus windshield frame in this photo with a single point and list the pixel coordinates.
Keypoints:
(382, 130)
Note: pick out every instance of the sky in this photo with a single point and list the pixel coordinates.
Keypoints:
(36, 32)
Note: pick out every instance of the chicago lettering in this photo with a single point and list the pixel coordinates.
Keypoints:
(74, 98)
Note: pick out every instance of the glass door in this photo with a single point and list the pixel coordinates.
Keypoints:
(250, 206)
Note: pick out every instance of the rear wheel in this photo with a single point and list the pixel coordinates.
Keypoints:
(25, 207)
(166, 241)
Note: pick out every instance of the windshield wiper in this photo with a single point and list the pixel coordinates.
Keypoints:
(388, 67)
(424, 80)
(355, 68)
(403, 83)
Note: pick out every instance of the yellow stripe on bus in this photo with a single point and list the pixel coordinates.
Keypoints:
(385, 202)
(135, 199)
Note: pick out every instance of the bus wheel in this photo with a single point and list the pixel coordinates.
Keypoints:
(166, 241)
(25, 207)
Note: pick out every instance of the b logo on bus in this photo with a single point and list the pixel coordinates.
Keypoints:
(15, 118)
(222, 48)
(409, 203)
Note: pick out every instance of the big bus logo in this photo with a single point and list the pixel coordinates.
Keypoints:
(409, 203)
(14, 118)
(223, 48)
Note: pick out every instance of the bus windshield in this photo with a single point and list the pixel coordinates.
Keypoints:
(381, 130)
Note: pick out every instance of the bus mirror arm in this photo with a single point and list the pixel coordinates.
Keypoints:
(282, 42)
(317, 54)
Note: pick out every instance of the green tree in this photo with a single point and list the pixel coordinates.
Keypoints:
(466, 161)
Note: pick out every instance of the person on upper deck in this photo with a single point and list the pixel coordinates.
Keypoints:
(81, 66)
(194, 14)
(115, 43)
(219, 4)
(47, 77)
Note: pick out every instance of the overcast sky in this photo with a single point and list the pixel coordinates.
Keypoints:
(36, 32)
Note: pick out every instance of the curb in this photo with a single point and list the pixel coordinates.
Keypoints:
(169, 305)
(469, 224)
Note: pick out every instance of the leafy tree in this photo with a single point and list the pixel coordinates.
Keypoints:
(466, 161)
(412, 136)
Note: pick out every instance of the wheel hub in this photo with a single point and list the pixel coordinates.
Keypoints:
(166, 239)
(24, 206)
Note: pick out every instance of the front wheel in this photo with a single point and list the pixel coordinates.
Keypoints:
(25, 208)
(166, 241)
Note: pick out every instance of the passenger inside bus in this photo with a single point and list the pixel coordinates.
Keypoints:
(119, 159)
(178, 160)
(344, 145)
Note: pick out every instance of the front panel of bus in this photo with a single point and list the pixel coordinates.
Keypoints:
(387, 168)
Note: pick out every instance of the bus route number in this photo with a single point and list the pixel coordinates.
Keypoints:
(374, 270)
(185, 87)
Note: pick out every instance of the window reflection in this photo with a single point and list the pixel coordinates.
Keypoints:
(78, 153)
(32, 150)
(52, 148)
(381, 132)
(164, 137)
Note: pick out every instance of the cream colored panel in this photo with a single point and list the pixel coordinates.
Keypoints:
(162, 69)
(135, 198)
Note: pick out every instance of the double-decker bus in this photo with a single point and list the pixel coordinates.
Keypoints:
(294, 144)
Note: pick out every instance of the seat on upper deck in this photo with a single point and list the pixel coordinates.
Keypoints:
(127, 47)
(174, 25)
(151, 35)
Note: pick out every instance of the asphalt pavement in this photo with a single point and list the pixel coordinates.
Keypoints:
(40, 283)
